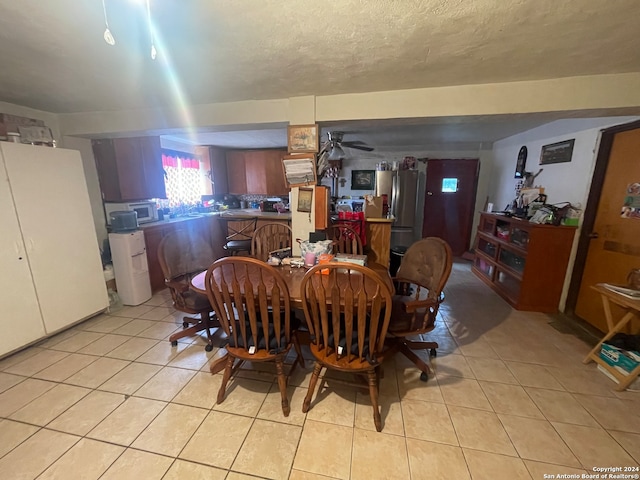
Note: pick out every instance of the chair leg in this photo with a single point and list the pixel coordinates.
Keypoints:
(407, 352)
(296, 345)
(372, 376)
(282, 385)
(312, 386)
(225, 379)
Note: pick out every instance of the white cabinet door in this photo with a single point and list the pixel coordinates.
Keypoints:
(52, 203)
(20, 319)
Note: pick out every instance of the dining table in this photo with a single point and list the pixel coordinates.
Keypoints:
(293, 278)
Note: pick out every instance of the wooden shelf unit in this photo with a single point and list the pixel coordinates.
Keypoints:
(525, 263)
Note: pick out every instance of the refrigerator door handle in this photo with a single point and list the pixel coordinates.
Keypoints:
(394, 195)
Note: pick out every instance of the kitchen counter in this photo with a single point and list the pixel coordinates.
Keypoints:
(380, 220)
(255, 213)
(240, 214)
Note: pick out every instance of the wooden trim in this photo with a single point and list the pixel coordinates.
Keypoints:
(588, 220)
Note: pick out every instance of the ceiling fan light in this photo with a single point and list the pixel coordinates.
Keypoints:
(336, 153)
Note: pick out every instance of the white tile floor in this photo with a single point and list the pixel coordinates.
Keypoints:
(510, 398)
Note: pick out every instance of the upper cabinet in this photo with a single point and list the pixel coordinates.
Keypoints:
(129, 168)
(216, 159)
(256, 172)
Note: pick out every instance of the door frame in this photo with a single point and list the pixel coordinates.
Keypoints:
(589, 218)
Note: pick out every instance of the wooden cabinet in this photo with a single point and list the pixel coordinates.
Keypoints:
(129, 168)
(523, 262)
(236, 176)
(378, 248)
(216, 160)
(207, 227)
(256, 172)
(51, 273)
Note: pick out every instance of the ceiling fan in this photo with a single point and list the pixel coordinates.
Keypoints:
(335, 146)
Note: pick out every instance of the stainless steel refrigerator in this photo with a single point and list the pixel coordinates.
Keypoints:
(401, 188)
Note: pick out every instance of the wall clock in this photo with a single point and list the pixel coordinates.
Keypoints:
(521, 162)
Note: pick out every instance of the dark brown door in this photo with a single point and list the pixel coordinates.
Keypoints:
(449, 201)
(614, 246)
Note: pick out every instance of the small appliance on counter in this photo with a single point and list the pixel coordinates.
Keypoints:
(147, 211)
(122, 221)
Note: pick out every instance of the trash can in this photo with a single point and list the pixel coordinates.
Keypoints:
(397, 252)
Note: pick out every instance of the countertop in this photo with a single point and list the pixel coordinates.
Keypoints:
(227, 214)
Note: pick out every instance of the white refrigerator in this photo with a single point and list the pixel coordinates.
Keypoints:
(50, 268)
(129, 256)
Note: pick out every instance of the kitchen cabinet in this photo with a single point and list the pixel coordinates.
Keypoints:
(378, 248)
(236, 174)
(525, 263)
(51, 268)
(216, 159)
(207, 227)
(129, 168)
(256, 172)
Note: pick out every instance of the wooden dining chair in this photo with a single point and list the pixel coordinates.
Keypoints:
(420, 281)
(345, 238)
(252, 303)
(182, 255)
(347, 309)
(270, 237)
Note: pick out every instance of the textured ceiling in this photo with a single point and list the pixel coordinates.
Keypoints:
(53, 56)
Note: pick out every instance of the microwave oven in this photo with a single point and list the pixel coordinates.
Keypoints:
(147, 211)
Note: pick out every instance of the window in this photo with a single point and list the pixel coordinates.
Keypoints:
(449, 185)
(184, 178)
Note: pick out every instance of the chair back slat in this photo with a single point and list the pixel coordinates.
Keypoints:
(346, 239)
(351, 306)
(270, 237)
(253, 301)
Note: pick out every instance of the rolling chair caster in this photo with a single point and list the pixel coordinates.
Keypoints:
(174, 343)
(208, 347)
(424, 377)
(433, 352)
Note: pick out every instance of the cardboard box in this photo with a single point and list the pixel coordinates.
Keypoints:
(15, 120)
(373, 207)
(622, 360)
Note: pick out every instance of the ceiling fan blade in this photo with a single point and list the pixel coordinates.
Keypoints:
(359, 147)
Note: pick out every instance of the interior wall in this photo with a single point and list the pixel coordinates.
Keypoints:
(360, 160)
(563, 182)
(83, 145)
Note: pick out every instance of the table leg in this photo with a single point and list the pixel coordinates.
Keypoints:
(627, 317)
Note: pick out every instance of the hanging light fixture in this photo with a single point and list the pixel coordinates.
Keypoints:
(154, 53)
(336, 152)
(108, 37)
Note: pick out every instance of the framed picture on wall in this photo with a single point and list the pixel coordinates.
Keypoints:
(363, 179)
(303, 138)
(305, 199)
(557, 152)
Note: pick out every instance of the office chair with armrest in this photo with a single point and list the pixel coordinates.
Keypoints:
(420, 280)
(182, 256)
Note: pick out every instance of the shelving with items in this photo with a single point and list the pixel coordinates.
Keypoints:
(524, 263)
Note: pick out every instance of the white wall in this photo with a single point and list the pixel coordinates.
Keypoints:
(563, 182)
(359, 160)
(83, 145)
